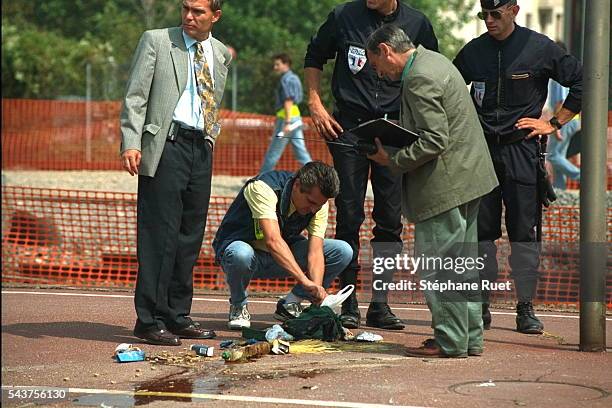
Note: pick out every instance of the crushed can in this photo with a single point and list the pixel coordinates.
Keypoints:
(202, 350)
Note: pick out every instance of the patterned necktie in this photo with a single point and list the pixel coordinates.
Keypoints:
(205, 90)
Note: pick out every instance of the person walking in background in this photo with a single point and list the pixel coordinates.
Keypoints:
(445, 173)
(509, 68)
(169, 124)
(360, 95)
(559, 141)
(288, 123)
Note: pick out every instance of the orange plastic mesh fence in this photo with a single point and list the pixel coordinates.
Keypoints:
(72, 135)
(87, 238)
(60, 139)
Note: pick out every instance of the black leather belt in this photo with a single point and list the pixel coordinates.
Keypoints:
(190, 133)
(178, 130)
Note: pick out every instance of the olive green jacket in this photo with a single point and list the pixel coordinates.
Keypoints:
(449, 165)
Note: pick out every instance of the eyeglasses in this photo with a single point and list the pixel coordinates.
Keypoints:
(496, 14)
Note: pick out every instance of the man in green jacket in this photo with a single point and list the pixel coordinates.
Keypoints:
(445, 172)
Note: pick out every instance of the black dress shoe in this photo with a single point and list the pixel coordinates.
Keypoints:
(194, 331)
(380, 315)
(158, 336)
(350, 316)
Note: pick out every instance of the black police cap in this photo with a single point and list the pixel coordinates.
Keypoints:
(492, 4)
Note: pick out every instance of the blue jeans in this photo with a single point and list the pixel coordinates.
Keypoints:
(241, 263)
(557, 151)
(278, 144)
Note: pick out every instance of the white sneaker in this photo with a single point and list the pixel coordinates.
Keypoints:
(239, 317)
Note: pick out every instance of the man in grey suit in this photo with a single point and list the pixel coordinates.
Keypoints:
(169, 123)
(445, 173)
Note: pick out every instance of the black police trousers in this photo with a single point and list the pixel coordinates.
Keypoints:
(516, 168)
(353, 169)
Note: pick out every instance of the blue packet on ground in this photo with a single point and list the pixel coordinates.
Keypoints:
(130, 356)
(127, 353)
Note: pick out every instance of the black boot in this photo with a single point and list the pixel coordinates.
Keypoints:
(380, 315)
(486, 316)
(350, 315)
(526, 320)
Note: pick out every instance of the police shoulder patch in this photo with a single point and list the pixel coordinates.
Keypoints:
(356, 58)
(478, 92)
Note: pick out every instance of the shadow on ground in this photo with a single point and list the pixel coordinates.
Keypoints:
(74, 329)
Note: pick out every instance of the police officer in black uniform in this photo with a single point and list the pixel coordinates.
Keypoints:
(509, 67)
(361, 96)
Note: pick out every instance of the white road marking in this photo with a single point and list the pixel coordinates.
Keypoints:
(201, 299)
(186, 395)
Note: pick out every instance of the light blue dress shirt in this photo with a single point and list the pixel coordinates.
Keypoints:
(188, 110)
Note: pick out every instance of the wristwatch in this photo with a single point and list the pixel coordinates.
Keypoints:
(555, 122)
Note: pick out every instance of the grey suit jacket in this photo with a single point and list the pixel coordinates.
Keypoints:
(158, 77)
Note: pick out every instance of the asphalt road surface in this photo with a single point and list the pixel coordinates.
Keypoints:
(57, 348)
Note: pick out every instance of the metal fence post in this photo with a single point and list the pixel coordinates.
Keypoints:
(593, 224)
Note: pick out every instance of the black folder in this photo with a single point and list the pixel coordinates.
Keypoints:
(388, 132)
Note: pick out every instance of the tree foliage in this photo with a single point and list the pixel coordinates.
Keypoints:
(46, 45)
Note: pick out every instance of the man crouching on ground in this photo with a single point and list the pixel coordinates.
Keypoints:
(261, 237)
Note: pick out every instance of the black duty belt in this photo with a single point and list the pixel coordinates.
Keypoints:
(514, 137)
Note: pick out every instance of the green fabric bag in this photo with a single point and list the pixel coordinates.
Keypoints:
(248, 333)
(315, 323)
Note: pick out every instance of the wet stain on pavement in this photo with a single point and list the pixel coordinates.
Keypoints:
(191, 384)
(176, 387)
(276, 373)
(181, 386)
(216, 377)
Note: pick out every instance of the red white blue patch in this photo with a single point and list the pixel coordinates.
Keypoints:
(356, 58)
